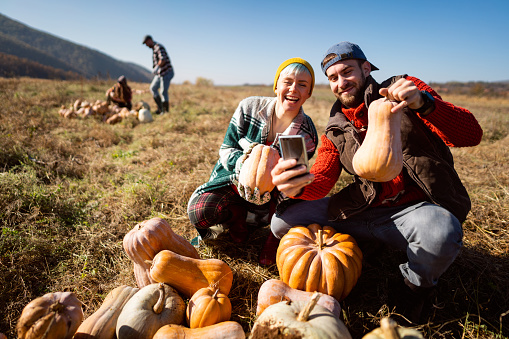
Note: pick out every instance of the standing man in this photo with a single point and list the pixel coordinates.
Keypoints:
(421, 210)
(163, 73)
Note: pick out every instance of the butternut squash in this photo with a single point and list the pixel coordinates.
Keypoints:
(255, 171)
(187, 275)
(102, 323)
(380, 157)
(149, 237)
(223, 330)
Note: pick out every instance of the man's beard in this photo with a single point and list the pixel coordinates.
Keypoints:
(356, 98)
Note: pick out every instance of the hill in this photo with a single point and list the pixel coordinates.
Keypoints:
(38, 48)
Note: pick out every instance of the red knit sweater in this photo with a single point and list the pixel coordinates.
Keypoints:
(456, 126)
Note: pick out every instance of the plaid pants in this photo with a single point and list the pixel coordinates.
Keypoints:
(215, 207)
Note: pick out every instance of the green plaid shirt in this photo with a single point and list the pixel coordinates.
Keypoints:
(251, 123)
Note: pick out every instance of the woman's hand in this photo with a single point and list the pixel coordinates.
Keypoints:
(406, 93)
(290, 179)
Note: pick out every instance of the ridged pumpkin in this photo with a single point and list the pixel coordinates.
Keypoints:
(297, 319)
(149, 237)
(273, 291)
(52, 316)
(208, 306)
(319, 259)
(188, 275)
(255, 171)
(380, 157)
(102, 323)
(152, 307)
(223, 330)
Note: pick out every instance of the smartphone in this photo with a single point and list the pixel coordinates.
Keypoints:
(294, 147)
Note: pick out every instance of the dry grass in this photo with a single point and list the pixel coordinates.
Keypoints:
(71, 189)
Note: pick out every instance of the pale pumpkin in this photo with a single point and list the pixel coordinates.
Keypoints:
(255, 172)
(297, 319)
(149, 237)
(102, 323)
(380, 156)
(389, 330)
(319, 259)
(52, 316)
(152, 307)
(273, 291)
(208, 306)
(223, 330)
(187, 275)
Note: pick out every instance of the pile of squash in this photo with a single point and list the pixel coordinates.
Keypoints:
(108, 113)
(169, 271)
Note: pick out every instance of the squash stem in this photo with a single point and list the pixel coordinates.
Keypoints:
(306, 311)
(214, 296)
(389, 329)
(320, 239)
(159, 306)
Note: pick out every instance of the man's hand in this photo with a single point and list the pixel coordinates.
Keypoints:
(290, 180)
(406, 93)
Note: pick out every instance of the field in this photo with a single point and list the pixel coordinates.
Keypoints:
(70, 189)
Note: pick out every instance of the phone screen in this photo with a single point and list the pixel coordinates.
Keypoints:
(293, 147)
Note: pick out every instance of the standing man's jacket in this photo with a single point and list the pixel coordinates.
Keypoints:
(426, 158)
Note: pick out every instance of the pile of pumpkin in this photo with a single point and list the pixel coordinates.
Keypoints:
(105, 112)
(318, 268)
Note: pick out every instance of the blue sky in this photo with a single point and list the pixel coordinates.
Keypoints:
(239, 42)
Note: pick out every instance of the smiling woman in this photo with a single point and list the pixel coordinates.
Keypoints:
(223, 202)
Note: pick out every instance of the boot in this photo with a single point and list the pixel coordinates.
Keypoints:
(269, 251)
(159, 105)
(166, 107)
(410, 300)
(236, 224)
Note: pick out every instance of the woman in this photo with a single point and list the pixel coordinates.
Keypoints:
(257, 120)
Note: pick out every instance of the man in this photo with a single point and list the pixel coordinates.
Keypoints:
(163, 73)
(421, 210)
(120, 93)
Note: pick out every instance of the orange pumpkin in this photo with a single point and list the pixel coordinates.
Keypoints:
(147, 239)
(207, 307)
(319, 259)
(255, 171)
(380, 157)
(52, 316)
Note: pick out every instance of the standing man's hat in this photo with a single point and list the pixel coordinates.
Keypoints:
(146, 38)
(343, 51)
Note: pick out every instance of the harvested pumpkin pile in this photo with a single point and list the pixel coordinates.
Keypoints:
(105, 112)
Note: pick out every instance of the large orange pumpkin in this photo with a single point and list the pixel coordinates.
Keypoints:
(255, 171)
(319, 259)
(380, 157)
(147, 239)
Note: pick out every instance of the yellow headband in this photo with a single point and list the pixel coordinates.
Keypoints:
(299, 61)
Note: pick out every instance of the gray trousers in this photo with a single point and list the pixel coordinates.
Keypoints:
(430, 235)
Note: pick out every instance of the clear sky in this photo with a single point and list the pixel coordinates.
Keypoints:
(239, 42)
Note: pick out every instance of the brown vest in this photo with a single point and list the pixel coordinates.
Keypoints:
(426, 158)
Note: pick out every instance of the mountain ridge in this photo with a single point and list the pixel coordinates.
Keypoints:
(35, 46)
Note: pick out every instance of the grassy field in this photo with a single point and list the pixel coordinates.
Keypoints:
(70, 189)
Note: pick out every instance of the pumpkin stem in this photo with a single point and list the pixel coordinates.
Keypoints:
(389, 330)
(214, 296)
(149, 262)
(57, 307)
(320, 239)
(306, 311)
(159, 306)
